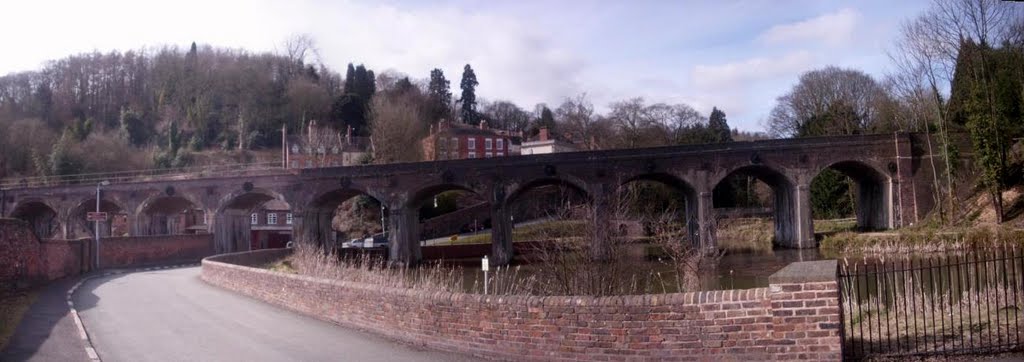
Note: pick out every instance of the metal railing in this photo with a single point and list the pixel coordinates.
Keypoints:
(958, 304)
(225, 170)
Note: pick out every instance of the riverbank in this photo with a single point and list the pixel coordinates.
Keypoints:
(921, 240)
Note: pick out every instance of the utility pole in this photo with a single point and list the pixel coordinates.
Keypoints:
(96, 223)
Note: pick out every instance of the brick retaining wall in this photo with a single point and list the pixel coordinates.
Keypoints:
(140, 250)
(795, 318)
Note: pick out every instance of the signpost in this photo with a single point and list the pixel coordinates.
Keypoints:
(485, 265)
(96, 216)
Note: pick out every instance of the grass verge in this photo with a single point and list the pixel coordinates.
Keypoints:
(922, 240)
(12, 308)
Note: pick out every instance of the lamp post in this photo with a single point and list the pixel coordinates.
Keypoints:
(96, 222)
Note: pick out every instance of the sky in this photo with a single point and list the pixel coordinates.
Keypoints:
(738, 56)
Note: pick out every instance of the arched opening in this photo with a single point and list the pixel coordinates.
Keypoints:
(116, 223)
(40, 216)
(344, 218)
(547, 208)
(741, 195)
(171, 215)
(850, 195)
(659, 205)
(449, 213)
(252, 220)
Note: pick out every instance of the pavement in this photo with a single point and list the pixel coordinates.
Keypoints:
(172, 315)
(47, 331)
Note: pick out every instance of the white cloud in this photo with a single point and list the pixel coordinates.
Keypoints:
(832, 29)
(741, 73)
(513, 59)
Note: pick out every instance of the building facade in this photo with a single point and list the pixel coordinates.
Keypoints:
(322, 146)
(456, 141)
(544, 143)
(271, 225)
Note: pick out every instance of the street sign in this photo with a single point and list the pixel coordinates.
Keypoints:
(96, 216)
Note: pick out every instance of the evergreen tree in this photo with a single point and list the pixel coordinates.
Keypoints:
(986, 98)
(718, 127)
(439, 95)
(350, 80)
(468, 100)
(546, 120)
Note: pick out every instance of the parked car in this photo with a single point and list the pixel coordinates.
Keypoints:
(374, 241)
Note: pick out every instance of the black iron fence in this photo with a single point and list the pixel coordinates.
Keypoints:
(954, 304)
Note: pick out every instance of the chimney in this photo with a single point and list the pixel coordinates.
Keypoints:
(483, 124)
(543, 133)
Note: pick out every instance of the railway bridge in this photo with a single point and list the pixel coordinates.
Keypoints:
(892, 173)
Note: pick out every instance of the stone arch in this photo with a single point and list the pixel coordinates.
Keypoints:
(247, 200)
(232, 221)
(475, 213)
(314, 223)
(788, 213)
(41, 217)
(115, 225)
(567, 181)
(423, 194)
(690, 195)
(164, 214)
(874, 192)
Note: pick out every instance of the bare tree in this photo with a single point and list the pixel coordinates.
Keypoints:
(506, 115)
(398, 125)
(298, 47)
(818, 93)
(577, 116)
(925, 56)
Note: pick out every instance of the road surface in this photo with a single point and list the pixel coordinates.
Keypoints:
(172, 315)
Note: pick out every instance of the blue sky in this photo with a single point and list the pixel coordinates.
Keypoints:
(737, 55)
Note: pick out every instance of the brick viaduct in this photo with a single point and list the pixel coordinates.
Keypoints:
(891, 171)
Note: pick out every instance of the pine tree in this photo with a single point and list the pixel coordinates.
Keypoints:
(468, 99)
(350, 80)
(718, 127)
(440, 96)
(546, 120)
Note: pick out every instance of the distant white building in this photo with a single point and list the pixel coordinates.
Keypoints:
(546, 144)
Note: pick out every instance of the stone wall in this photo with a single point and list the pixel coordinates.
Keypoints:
(142, 250)
(795, 318)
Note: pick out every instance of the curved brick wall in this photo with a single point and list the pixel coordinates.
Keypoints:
(797, 320)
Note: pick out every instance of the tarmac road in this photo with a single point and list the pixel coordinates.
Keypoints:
(172, 315)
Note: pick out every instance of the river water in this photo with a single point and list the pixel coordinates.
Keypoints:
(733, 271)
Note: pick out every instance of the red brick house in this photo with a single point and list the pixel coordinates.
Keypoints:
(454, 141)
(271, 225)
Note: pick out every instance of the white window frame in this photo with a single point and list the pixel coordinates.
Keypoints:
(471, 143)
(271, 218)
(501, 144)
(488, 144)
(455, 144)
(472, 154)
(254, 219)
(500, 154)
(289, 218)
(489, 154)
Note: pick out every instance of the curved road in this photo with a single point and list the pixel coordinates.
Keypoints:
(172, 315)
